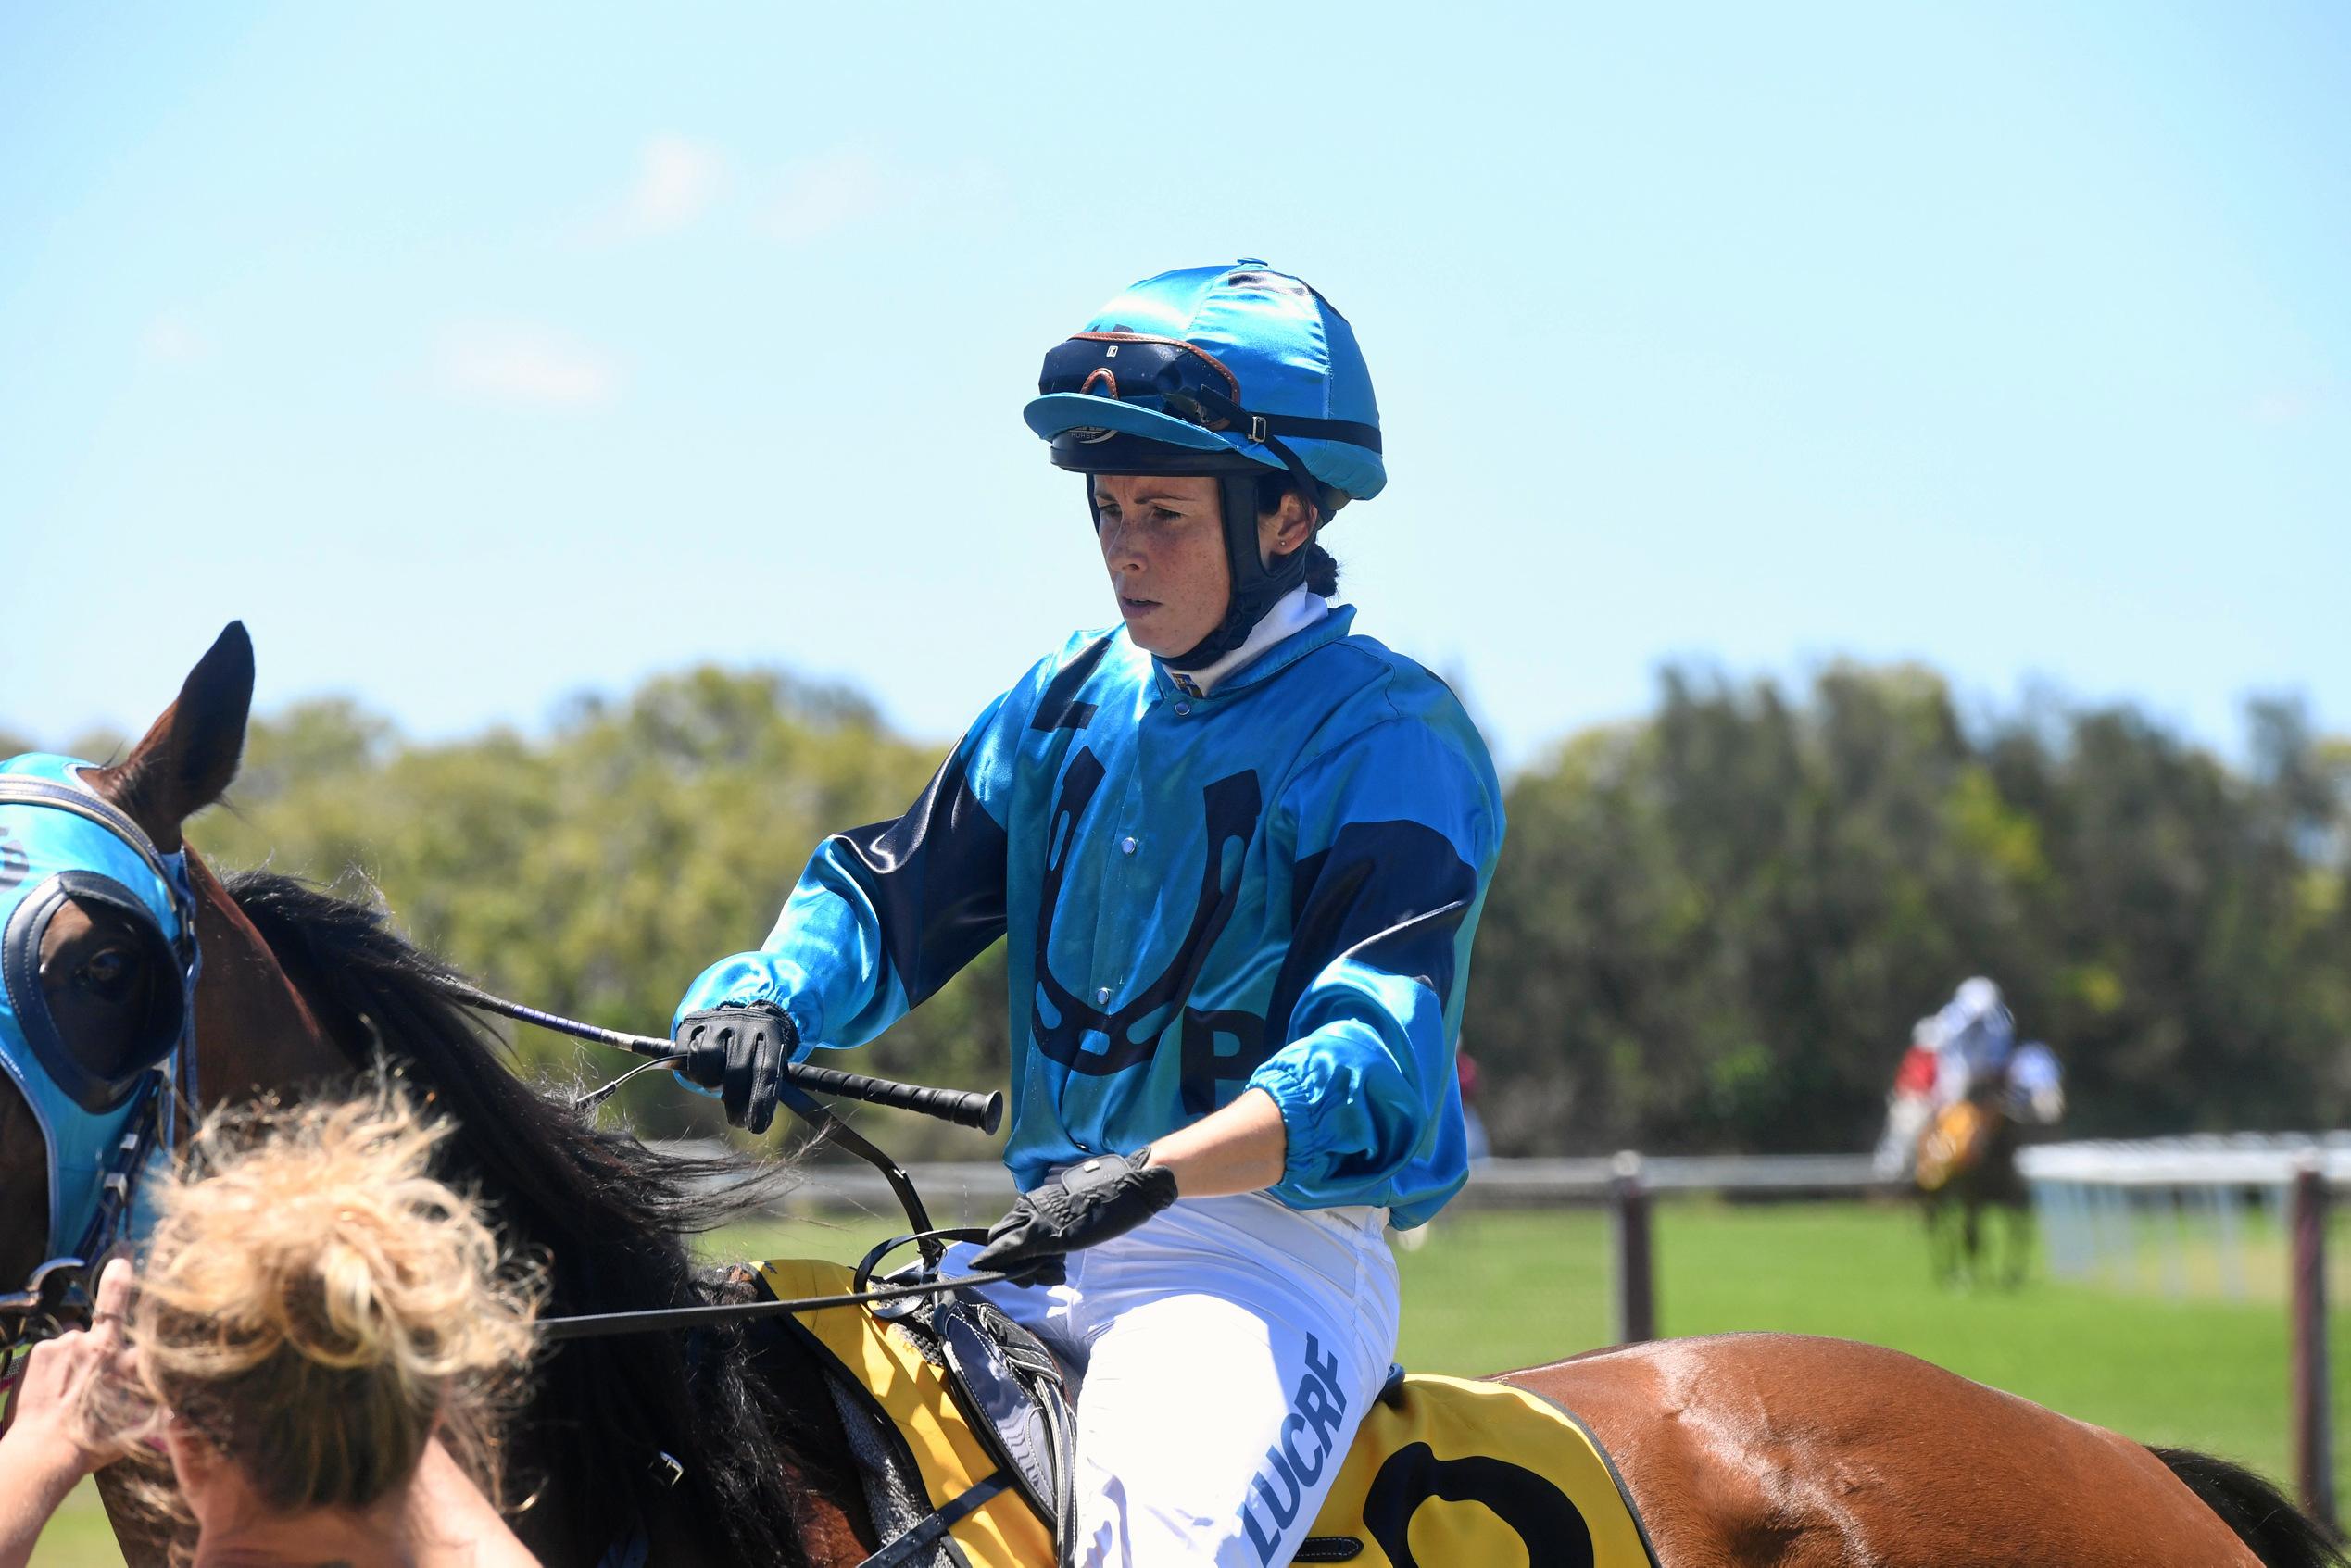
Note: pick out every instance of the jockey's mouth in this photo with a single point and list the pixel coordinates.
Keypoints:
(1131, 607)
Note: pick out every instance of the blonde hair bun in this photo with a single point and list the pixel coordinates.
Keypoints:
(317, 1304)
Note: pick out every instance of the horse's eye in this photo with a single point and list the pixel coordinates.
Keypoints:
(106, 974)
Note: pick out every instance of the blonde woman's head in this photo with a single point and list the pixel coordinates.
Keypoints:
(316, 1307)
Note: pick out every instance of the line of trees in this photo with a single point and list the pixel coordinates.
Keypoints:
(1711, 930)
(1714, 928)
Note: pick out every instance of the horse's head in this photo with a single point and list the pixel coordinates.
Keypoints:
(102, 915)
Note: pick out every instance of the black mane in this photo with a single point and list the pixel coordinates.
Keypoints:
(2280, 1534)
(609, 1214)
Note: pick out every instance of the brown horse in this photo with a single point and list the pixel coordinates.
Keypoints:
(720, 1446)
(1966, 1169)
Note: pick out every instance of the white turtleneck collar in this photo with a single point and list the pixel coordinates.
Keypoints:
(1290, 614)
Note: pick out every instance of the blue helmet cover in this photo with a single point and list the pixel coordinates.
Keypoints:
(1289, 349)
(46, 855)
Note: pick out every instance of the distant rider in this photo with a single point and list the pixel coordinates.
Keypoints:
(1239, 851)
(1975, 1036)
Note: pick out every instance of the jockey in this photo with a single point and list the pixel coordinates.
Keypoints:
(1975, 1035)
(1239, 851)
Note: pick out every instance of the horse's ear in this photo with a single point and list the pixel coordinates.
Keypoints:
(186, 759)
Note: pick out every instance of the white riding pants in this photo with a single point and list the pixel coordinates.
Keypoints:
(1227, 1350)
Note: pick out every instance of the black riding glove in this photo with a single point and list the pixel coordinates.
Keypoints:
(1092, 1201)
(741, 1052)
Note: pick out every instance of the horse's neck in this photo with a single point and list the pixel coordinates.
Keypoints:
(829, 1510)
(255, 1034)
(270, 1022)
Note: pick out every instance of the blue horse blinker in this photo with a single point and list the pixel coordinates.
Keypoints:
(101, 1120)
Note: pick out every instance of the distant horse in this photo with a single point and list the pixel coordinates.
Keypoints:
(1967, 1166)
(721, 1446)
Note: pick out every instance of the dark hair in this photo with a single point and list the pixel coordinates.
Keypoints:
(1322, 567)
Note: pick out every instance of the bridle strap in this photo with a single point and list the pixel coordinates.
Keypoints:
(599, 1325)
(24, 790)
(169, 1083)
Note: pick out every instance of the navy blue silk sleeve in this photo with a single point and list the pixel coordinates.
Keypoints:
(1396, 836)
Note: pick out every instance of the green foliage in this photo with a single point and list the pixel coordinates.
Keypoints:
(1714, 928)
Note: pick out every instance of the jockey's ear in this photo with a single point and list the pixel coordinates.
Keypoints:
(188, 756)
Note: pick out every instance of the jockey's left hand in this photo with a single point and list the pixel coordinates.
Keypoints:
(1090, 1201)
(739, 1051)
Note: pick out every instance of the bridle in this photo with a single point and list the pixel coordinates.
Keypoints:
(139, 1113)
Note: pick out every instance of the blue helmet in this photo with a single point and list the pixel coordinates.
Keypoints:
(1238, 372)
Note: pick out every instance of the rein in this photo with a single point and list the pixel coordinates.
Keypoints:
(983, 1111)
(597, 1326)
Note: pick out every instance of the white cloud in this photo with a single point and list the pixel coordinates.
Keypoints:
(850, 186)
(172, 340)
(820, 195)
(518, 363)
(677, 178)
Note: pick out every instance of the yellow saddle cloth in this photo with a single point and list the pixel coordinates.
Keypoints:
(1445, 1471)
(1953, 1143)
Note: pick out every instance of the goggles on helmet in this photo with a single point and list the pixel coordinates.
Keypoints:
(1170, 376)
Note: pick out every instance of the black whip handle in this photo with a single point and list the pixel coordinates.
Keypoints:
(964, 1108)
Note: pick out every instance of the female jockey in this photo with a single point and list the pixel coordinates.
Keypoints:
(1239, 853)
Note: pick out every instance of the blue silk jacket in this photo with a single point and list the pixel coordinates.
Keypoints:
(1273, 885)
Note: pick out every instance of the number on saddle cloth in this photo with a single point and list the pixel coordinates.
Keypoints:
(1443, 1471)
(1447, 1471)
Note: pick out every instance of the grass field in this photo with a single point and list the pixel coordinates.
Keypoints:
(1495, 1290)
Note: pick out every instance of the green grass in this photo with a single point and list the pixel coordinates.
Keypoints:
(78, 1535)
(1490, 1291)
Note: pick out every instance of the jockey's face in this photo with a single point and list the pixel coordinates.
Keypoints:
(1163, 539)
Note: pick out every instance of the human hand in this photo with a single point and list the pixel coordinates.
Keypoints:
(741, 1052)
(45, 1429)
(1088, 1202)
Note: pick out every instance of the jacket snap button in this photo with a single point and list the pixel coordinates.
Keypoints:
(1183, 710)
(1126, 845)
(1103, 997)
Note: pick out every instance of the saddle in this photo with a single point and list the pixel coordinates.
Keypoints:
(962, 1433)
(1953, 1143)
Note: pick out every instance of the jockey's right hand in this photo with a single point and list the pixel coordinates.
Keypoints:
(741, 1052)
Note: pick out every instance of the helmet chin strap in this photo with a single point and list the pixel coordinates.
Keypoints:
(1256, 586)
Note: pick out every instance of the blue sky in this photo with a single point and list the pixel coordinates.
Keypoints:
(475, 355)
